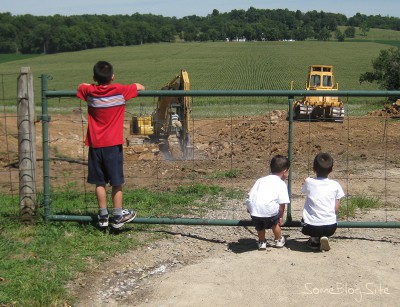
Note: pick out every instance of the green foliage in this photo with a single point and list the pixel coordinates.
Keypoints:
(349, 206)
(55, 34)
(198, 190)
(339, 36)
(233, 173)
(350, 32)
(386, 70)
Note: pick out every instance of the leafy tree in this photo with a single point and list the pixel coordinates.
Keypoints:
(300, 34)
(357, 20)
(323, 35)
(190, 34)
(167, 33)
(350, 32)
(214, 35)
(364, 28)
(51, 34)
(249, 33)
(339, 35)
(272, 34)
(386, 70)
(42, 36)
(8, 38)
(203, 37)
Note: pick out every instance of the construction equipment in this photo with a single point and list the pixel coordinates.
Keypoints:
(169, 124)
(322, 108)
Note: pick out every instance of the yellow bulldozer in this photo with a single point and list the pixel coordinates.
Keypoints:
(169, 124)
(319, 108)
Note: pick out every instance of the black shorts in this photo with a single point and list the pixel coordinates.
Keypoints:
(265, 222)
(319, 231)
(106, 165)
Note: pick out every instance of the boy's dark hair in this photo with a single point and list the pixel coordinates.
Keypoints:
(323, 164)
(279, 163)
(103, 72)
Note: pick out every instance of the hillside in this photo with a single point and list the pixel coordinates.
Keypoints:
(219, 65)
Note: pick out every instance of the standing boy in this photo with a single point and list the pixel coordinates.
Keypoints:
(322, 203)
(106, 108)
(267, 199)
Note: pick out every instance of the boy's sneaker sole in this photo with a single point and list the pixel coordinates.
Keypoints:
(324, 244)
(127, 216)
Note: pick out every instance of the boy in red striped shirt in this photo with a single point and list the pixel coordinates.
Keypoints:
(106, 107)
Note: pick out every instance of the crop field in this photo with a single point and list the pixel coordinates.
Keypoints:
(211, 66)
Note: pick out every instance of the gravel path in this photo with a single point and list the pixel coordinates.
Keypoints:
(220, 265)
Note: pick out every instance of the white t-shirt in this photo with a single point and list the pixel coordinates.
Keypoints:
(266, 195)
(319, 208)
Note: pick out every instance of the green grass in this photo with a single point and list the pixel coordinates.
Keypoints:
(233, 173)
(15, 57)
(358, 202)
(38, 260)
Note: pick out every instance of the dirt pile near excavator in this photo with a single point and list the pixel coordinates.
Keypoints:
(392, 111)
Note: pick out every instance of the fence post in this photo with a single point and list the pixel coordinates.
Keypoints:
(26, 146)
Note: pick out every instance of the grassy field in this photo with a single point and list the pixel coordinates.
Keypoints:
(211, 66)
(220, 65)
(15, 57)
(38, 260)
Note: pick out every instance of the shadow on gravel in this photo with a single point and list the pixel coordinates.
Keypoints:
(385, 240)
(299, 246)
(243, 245)
(189, 235)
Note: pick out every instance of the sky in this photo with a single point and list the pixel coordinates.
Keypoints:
(181, 8)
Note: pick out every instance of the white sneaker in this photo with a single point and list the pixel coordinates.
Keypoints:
(280, 243)
(126, 217)
(262, 245)
(102, 220)
(324, 244)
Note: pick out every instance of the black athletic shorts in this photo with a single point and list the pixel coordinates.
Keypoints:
(265, 222)
(106, 165)
(319, 231)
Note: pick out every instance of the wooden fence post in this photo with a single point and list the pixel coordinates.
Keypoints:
(26, 146)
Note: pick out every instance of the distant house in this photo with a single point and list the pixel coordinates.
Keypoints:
(237, 39)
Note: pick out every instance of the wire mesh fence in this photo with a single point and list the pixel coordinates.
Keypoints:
(233, 140)
(233, 151)
(9, 174)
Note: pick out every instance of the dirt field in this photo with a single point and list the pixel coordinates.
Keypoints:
(219, 266)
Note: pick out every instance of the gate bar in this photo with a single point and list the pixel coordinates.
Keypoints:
(218, 222)
(229, 93)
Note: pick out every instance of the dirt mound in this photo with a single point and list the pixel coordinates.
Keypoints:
(392, 111)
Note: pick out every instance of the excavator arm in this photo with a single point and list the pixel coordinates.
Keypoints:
(170, 121)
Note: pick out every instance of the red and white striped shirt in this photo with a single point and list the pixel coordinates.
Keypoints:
(106, 108)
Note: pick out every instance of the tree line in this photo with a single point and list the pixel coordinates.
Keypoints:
(30, 34)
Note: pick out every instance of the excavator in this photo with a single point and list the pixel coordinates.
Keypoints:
(169, 124)
(319, 108)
